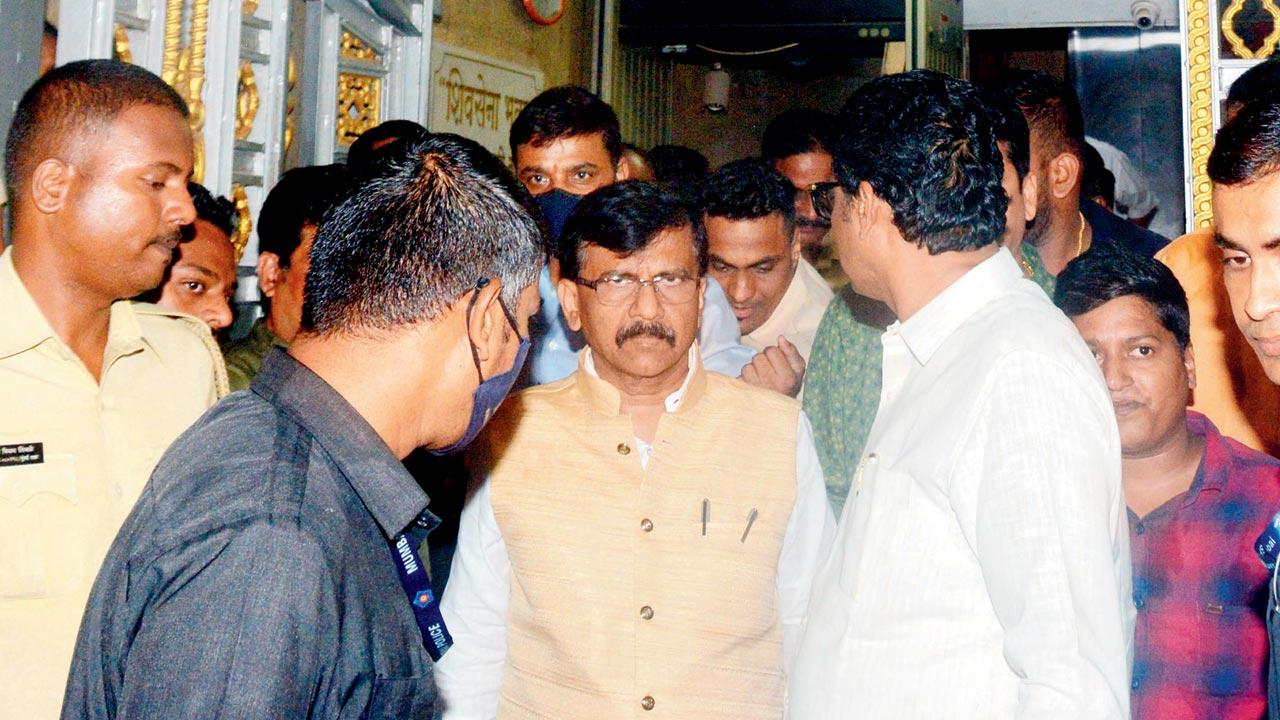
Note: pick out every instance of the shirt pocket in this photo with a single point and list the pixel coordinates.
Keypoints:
(31, 498)
(410, 698)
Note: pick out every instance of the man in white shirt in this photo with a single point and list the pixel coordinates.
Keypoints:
(776, 295)
(1134, 199)
(647, 532)
(981, 568)
(756, 257)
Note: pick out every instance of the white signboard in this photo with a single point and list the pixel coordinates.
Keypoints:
(477, 97)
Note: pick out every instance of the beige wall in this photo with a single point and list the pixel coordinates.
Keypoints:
(501, 29)
(755, 97)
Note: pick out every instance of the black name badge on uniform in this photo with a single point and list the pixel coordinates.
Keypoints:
(21, 454)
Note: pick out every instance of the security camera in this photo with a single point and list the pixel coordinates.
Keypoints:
(1145, 14)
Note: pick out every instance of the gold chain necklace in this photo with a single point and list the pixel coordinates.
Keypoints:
(1080, 237)
(1027, 270)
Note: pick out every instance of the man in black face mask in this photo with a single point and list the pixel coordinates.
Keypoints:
(258, 572)
(565, 144)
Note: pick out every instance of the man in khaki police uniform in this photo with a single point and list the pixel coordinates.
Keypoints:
(93, 387)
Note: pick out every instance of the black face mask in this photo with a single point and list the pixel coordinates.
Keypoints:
(556, 206)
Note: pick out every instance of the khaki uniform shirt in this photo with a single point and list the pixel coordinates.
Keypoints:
(74, 455)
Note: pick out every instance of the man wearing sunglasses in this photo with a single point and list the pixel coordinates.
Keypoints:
(648, 530)
(981, 567)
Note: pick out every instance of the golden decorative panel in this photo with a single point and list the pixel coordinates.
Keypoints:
(120, 49)
(247, 101)
(183, 67)
(1231, 34)
(249, 7)
(359, 102)
(356, 49)
(244, 220)
(291, 103)
(1200, 96)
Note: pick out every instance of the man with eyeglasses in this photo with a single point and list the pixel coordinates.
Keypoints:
(564, 600)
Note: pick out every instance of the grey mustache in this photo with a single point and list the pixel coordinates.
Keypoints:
(640, 329)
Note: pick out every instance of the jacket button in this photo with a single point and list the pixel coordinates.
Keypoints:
(647, 702)
(646, 525)
(646, 612)
(624, 449)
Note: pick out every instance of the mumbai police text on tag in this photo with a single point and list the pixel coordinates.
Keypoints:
(21, 454)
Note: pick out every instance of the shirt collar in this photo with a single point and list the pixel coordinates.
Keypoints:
(782, 320)
(26, 327)
(1216, 463)
(930, 327)
(606, 396)
(378, 477)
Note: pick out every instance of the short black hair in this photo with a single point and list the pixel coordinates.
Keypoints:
(1012, 130)
(406, 244)
(677, 165)
(1104, 274)
(50, 30)
(1051, 108)
(925, 142)
(1097, 180)
(566, 111)
(369, 153)
(73, 103)
(215, 210)
(299, 198)
(798, 131)
(623, 218)
(748, 189)
(1247, 148)
(1257, 83)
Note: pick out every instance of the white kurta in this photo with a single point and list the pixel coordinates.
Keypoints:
(981, 568)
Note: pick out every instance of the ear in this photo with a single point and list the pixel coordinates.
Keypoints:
(487, 325)
(621, 170)
(871, 208)
(570, 303)
(1189, 361)
(270, 274)
(1063, 176)
(1030, 196)
(51, 185)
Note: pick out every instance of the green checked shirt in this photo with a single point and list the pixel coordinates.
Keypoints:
(842, 381)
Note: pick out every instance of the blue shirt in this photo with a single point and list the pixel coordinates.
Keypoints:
(554, 355)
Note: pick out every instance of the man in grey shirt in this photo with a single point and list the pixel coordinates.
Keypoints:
(269, 568)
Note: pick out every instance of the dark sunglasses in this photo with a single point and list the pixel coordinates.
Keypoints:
(823, 197)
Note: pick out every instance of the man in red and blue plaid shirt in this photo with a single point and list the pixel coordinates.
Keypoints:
(1196, 499)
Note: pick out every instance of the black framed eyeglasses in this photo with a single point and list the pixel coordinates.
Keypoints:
(823, 197)
(621, 289)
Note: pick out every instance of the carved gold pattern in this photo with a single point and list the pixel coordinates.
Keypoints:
(1200, 95)
(247, 101)
(120, 49)
(249, 7)
(183, 68)
(359, 100)
(172, 41)
(244, 220)
(291, 103)
(356, 49)
(1238, 46)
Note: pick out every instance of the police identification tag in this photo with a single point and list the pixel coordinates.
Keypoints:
(417, 588)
